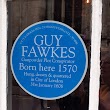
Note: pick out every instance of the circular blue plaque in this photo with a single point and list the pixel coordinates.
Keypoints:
(49, 60)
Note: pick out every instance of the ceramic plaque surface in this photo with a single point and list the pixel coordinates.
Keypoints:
(49, 60)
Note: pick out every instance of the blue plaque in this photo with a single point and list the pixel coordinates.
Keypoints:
(49, 60)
